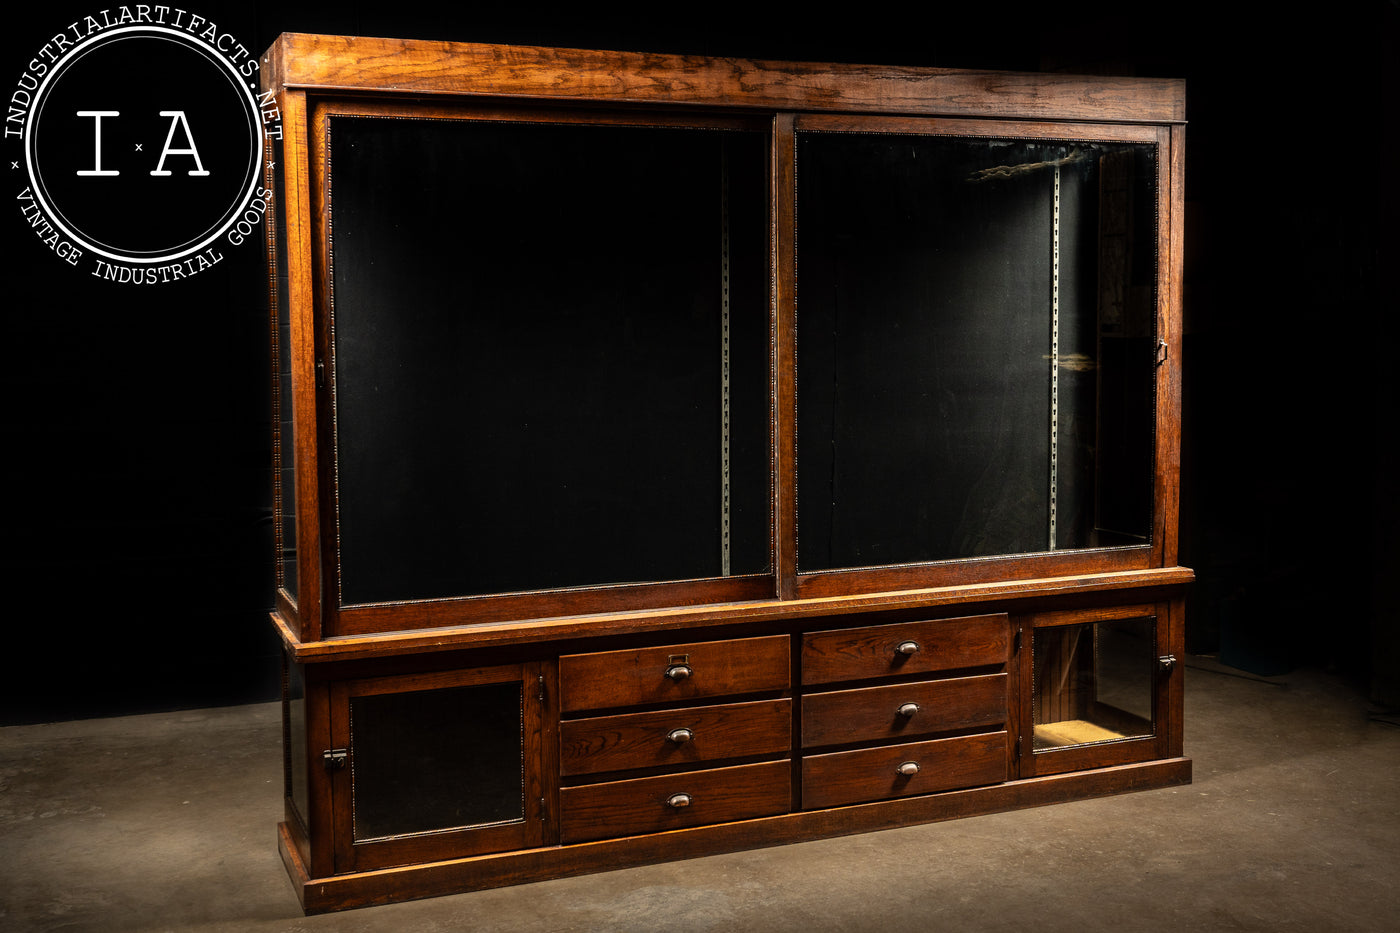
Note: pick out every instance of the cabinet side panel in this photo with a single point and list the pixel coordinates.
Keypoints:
(295, 216)
(1171, 328)
(784, 348)
(283, 429)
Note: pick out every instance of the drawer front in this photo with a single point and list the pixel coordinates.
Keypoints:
(672, 737)
(674, 673)
(874, 773)
(674, 801)
(889, 712)
(905, 648)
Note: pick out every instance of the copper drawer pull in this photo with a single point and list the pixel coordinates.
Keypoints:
(679, 672)
(906, 648)
(680, 736)
(908, 710)
(676, 801)
(908, 769)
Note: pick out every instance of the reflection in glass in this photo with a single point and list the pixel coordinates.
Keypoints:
(1093, 682)
(431, 760)
(975, 326)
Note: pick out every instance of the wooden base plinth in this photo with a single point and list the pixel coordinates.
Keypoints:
(409, 882)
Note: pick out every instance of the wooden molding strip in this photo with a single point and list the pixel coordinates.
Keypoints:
(343, 63)
(530, 631)
(340, 892)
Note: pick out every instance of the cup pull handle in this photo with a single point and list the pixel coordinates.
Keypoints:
(677, 801)
(906, 648)
(908, 769)
(679, 672)
(908, 710)
(680, 736)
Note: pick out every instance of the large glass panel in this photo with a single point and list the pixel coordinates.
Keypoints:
(1093, 682)
(284, 436)
(551, 355)
(294, 735)
(975, 327)
(431, 760)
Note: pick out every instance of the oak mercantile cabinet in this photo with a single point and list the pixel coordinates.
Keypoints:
(679, 455)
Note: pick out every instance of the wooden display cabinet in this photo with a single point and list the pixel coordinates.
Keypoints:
(678, 455)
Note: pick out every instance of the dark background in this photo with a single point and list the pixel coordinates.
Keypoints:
(136, 420)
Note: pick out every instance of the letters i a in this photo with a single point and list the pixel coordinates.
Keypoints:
(177, 119)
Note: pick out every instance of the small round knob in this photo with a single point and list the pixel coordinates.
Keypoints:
(676, 801)
(679, 672)
(680, 736)
(906, 647)
(908, 709)
(908, 769)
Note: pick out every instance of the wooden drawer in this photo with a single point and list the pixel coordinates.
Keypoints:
(883, 713)
(842, 778)
(675, 736)
(905, 648)
(674, 801)
(674, 673)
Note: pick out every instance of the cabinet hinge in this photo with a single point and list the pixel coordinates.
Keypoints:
(541, 693)
(335, 758)
(1161, 352)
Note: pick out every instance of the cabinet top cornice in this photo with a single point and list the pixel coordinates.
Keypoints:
(405, 66)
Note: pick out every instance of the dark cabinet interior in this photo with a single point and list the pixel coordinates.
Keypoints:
(974, 347)
(550, 355)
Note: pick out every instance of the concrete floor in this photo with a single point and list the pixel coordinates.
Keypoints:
(166, 822)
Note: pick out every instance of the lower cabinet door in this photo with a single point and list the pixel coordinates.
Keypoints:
(436, 766)
(1100, 687)
(889, 771)
(674, 801)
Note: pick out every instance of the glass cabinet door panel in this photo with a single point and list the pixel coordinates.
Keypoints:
(1093, 682)
(296, 780)
(431, 760)
(551, 360)
(975, 324)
